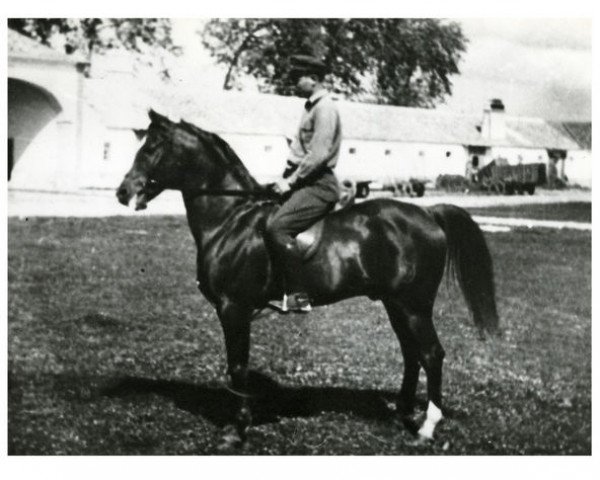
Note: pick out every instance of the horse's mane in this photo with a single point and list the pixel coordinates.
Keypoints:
(224, 153)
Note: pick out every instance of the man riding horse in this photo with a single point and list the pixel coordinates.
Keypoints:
(389, 251)
(309, 183)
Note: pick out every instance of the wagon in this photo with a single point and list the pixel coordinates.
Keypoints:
(511, 179)
(411, 188)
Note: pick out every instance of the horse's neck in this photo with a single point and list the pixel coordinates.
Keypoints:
(208, 213)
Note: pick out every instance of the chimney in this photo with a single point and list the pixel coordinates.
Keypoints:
(494, 123)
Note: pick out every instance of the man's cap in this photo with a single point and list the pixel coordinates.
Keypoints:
(307, 64)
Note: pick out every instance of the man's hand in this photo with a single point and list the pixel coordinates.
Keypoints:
(282, 186)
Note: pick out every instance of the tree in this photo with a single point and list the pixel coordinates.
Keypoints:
(88, 36)
(393, 61)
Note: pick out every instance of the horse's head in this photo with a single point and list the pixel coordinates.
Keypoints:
(151, 172)
(181, 156)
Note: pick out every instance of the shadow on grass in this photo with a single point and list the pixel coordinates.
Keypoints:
(271, 401)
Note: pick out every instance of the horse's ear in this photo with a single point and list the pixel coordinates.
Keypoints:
(155, 117)
(140, 132)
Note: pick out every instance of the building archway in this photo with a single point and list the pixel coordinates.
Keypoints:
(30, 109)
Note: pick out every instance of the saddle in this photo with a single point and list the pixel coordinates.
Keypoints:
(308, 241)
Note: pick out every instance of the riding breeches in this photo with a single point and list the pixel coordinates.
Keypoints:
(305, 207)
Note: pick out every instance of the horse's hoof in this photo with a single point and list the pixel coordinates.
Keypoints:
(230, 444)
(409, 423)
(406, 422)
(421, 441)
(231, 441)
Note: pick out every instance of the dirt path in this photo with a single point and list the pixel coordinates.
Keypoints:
(103, 204)
(528, 223)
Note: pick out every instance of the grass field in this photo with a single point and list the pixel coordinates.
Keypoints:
(113, 351)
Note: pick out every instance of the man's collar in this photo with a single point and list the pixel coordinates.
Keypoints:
(315, 97)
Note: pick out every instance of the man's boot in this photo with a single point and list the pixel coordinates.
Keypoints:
(295, 298)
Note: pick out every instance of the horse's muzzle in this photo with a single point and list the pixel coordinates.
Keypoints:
(123, 195)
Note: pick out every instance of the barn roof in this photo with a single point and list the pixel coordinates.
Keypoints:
(536, 133)
(580, 132)
(21, 46)
(266, 114)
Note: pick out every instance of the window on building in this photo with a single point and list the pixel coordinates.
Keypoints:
(448, 153)
(388, 151)
(268, 148)
(106, 152)
(352, 150)
(421, 153)
(11, 152)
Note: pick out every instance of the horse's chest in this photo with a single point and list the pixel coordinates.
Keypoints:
(220, 276)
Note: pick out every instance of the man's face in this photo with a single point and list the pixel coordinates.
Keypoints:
(306, 85)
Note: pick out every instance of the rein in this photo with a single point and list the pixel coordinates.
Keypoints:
(266, 193)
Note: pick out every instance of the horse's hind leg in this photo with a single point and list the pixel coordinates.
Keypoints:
(405, 403)
(418, 338)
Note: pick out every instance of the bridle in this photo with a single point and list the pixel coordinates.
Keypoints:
(266, 192)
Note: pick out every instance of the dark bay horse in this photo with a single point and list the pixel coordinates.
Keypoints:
(384, 249)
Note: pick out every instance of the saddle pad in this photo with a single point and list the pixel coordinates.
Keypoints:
(308, 240)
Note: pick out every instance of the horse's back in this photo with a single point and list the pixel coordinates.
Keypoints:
(377, 248)
(381, 214)
(389, 220)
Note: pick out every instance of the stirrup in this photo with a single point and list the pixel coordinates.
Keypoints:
(295, 302)
(280, 305)
(299, 303)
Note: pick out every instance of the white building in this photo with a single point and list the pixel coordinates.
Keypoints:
(68, 132)
(44, 115)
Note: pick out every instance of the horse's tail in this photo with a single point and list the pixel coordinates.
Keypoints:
(469, 261)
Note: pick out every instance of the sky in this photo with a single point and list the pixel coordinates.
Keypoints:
(538, 67)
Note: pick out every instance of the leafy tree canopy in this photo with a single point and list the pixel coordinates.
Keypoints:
(391, 61)
(88, 36)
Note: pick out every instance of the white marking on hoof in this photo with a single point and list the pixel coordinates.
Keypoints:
(434, 415)
(420, 442)
(284, 303)
(230, 440)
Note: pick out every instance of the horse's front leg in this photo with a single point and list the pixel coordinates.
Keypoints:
(235, 321)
